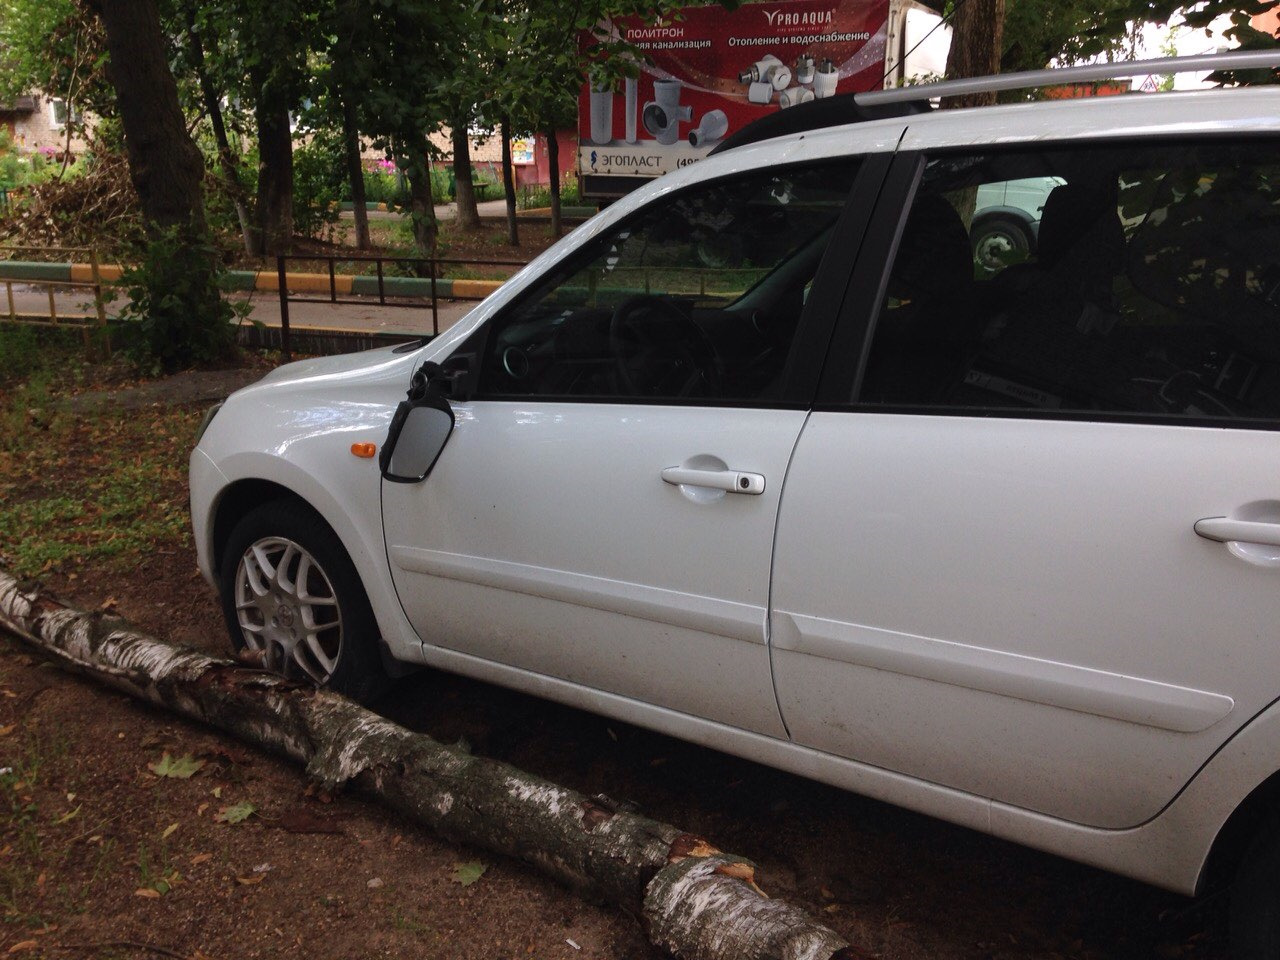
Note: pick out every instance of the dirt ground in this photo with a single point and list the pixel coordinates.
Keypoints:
(87, 825)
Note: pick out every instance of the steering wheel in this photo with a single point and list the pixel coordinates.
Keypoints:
(658, 351)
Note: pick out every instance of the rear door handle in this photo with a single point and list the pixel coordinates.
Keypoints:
(1226, 530)
(731, 481)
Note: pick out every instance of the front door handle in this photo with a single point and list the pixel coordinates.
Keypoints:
(731, 481)
(1226, 530)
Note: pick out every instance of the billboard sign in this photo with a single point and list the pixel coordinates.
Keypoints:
(710, 71)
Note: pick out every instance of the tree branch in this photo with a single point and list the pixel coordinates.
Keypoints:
(695, 900)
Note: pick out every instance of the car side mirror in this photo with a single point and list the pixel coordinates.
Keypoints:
(419, 431)
(453, 379)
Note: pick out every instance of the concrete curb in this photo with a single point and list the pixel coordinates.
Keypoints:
(250, 281)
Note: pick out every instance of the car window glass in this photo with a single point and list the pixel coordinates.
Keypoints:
(1116, 280)
(696, 298)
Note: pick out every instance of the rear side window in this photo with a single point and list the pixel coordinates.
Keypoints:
(1139, 280)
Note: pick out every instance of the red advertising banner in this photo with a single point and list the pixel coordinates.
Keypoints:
(711, 71)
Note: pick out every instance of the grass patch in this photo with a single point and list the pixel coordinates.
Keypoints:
(83, 482)
(105, 486)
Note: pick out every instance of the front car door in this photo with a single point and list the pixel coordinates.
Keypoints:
(994, 568)
(604, 513)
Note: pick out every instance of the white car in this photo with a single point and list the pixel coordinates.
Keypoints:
(753, 459)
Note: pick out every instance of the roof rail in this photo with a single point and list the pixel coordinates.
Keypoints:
(1030, 79)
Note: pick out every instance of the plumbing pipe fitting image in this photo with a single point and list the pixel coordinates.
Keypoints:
(768, 69)
(825, 80)
(601, 115)
(804, 68)
(632, 99)
(713, 126)
(663, 114)
(761, 91)
(793, 96)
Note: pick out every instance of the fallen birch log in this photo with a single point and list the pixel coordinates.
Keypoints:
(694, 900)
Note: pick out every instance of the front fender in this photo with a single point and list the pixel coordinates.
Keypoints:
(299, 437)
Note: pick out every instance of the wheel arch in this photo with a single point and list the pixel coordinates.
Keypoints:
(237, 500)
(1233, 838)
(399, 645)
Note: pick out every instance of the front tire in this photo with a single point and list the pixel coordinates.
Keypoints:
(291, 595)
(1255, 899)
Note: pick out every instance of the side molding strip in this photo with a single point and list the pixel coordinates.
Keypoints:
(725, 618)
(1081, 689)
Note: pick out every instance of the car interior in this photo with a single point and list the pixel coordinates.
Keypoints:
(1143, 295)
(698, 299)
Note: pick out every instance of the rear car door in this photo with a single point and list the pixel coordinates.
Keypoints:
(1029, 546)
(604, 512)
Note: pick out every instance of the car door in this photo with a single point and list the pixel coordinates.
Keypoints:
(1028, 545)
(604, 513)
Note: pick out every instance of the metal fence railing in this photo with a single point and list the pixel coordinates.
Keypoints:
(53, 269)
(402, 282)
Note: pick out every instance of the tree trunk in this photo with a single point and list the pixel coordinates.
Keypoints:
(553, 164)
(422, 208)
(226, 159)
(355, 171)
(694, 900)
(977, 39)
(464, 190)
(164, 163)
(509, 183)
(275, 169)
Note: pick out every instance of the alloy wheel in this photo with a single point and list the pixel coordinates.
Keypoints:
(287, 609)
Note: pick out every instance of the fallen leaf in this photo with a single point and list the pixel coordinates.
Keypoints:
(217, 792)
(8, 729)
(200, 858)
(168, 831)
(250, 881)
(24, 945)
(183, 768)
(468, 873)
(374, 883)
(148, 892)
(67, 817)
(108, 605)
(201, 809)
(236, 813)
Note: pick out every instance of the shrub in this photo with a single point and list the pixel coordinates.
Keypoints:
(176, 315)
(535, 197)
(319, 184)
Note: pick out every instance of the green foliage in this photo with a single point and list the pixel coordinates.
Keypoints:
(1037, 32)
(176, 315)
(318, 184)
(56, 46)
(381, 186)
(533, 198)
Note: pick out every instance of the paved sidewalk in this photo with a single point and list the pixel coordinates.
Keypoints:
(367, 315)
